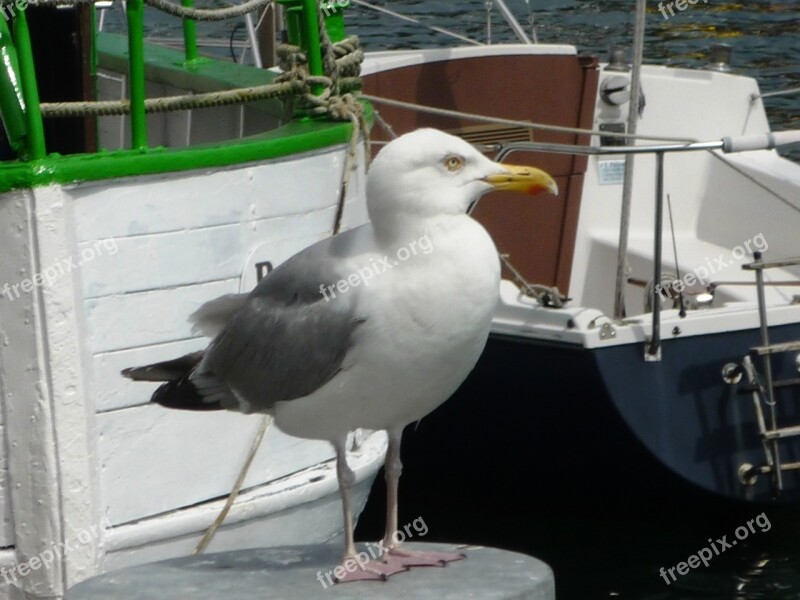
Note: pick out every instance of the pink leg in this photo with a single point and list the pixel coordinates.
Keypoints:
(394, 556)
(393, 468)
(355, 566)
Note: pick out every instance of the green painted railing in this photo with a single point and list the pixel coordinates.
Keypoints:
(135, 10)
(30, 91)
(312, 39)
(24, 123)
(189, 35)
(303, 29)
(12, 104)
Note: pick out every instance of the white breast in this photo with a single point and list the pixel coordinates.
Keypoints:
(428, 319)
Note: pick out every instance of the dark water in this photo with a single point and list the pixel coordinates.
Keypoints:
(765, 35)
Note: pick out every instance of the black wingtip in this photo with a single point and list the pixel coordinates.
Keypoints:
(177, 390)
(182, 395)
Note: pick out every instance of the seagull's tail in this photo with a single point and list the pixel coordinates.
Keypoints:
(179, 390)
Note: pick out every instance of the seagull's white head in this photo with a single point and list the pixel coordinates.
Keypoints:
(430, 173)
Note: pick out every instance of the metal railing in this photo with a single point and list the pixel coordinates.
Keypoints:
(19, 74)
(727, 144)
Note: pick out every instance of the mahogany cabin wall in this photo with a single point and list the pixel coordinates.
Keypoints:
(538, 233)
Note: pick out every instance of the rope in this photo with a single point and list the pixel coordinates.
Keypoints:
(786, 92)
(200, 14)
(237, 486)
(750, 178)
(544, 295)
(500, 121)
(342, 63)
(340, 60)
(385, 124)
(170, 103)
(293, 82)
(343, 107)
(328, 56)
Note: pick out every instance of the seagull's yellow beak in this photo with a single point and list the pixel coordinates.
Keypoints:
(522, 179)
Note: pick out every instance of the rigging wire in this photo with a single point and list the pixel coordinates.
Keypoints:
(414, 20)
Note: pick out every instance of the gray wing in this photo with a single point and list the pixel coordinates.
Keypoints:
(287, 340)
(214, 315)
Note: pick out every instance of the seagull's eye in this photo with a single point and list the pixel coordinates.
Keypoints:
(454, 163)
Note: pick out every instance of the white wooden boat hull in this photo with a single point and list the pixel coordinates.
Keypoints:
(102, 275)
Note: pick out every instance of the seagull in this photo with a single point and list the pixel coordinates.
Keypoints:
(372, 328)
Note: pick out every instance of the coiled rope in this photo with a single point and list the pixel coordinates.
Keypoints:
(294, 82)
(342, 65)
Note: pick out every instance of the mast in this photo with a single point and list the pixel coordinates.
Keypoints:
(512, 22)
(627, 185)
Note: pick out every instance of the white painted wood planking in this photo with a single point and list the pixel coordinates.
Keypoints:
(31, 438)
(18, 365)
(154, 460)
(147, 262)
(156, 204)
(65, 373)
(303, 507)
(112, 391)
(50, 374)
(312, 520)
(6, 516)
(149, 435)
(155, 317)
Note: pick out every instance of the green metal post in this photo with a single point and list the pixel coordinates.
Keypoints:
(312, 39)
(12, 103)
(30, 91)
(189, 34)
(136, 73)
